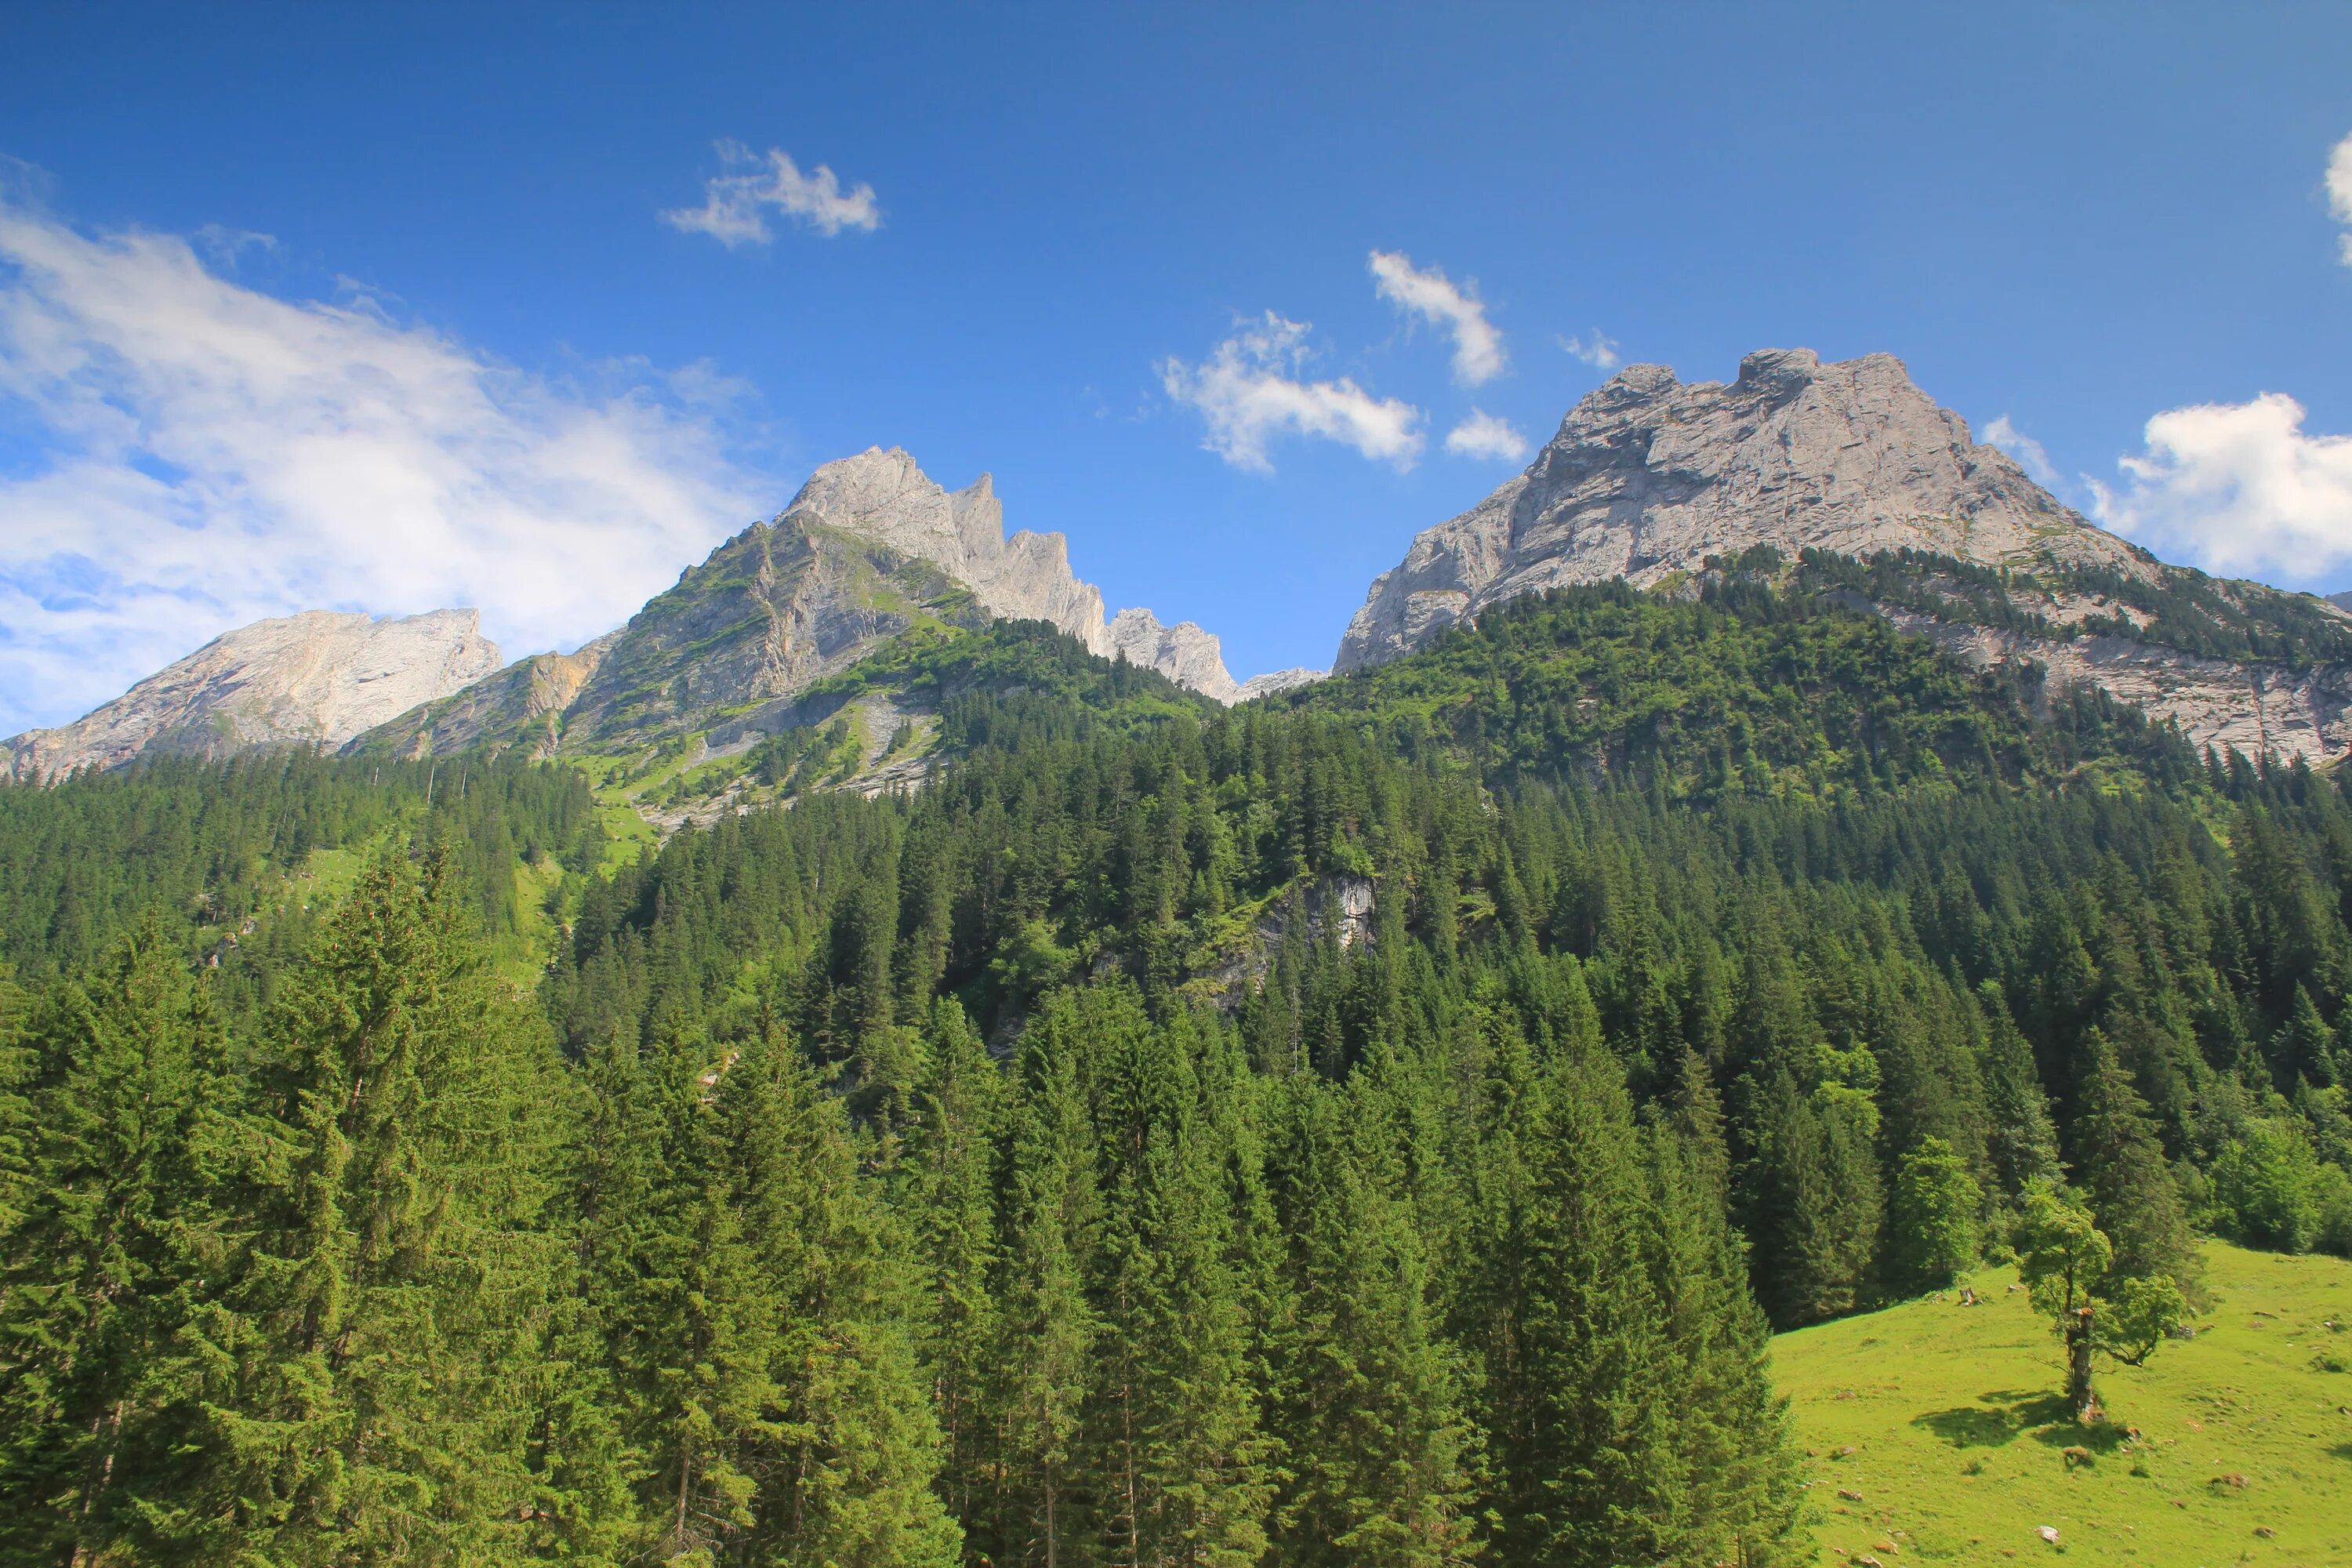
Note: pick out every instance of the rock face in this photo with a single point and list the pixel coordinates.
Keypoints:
(1648, 477)
(769, 613)
(317, 679)
(2259, 708)
(1280, 680)
(1184, 653)
(883, 496)
(522, 705)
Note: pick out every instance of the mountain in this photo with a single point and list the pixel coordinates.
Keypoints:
(1183, 652)
(1648, 477)
(870, 549)
(316, 679)
(522, 705)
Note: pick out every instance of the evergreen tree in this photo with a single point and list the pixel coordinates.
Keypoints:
(1934, 1214)
(1380, 1459)
(366, 1365)
(948, 1194)
(1040, 1510)
(2121, 1166)
(100, 1260)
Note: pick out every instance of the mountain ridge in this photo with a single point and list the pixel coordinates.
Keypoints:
(1650, 478)
(320, 678)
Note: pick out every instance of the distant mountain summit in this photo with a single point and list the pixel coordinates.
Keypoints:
(317, 679)
(870, 549)
(1649, 476)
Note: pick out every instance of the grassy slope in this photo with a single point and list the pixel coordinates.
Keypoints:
(1958, 1438)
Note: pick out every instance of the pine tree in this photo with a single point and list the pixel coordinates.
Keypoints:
(949, 1195)
(367, 1365)
(1380, 1457)
(2121, 1166)
(1577, 1370)
(1814, 1204)
(845, 1454)
(98, 1265)
(2020, 1142)
(1176, 1459)
(1048, 1325)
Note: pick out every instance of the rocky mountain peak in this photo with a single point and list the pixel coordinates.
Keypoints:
(1183, 652)
(320, 678)
(1649, 475)
(884, 496)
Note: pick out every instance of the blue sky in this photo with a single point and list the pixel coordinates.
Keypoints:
(470, 360)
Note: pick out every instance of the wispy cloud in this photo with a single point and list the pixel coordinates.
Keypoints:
(1599, 352)
(203, 455)
(2238, 488)
(1485, 435)
(735, 205)
(1478, 356)
(1248, 391)
(2339, 195)
(2028, 451)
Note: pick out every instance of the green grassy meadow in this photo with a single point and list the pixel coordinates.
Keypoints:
(1935, 1433)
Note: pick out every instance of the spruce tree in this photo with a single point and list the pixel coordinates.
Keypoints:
(949, 1195)
(366, 1365)
(2121, 1166)
(100, 1263)
(1040, 1510)
(1380, 1456)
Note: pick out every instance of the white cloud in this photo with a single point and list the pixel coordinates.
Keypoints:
(731, 211)
(1485, 435)
(2339, 193)
(2240, 490)
(2028, 451)
(1478, 355)
(196, 455)
(1248, 391)
(1600, 353)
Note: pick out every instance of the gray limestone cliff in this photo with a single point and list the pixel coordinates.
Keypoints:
(1183, 652)
(316, 679)
(1649, 475)
(1267, 685)
(522, 705)
(883, 496)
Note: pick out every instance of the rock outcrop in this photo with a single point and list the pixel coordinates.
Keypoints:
(1184, 653)
(1267, 685)
(1647, 477)
(883, 496)
(317, 679)
(522, 705)
(775, 610)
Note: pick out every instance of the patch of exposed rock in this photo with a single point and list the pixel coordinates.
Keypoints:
(1279, 680)
(769, 613)
(885, 496)
(2261, 710)
(522, 705)
(1648, 477)
(1184, 653)
(316, 679)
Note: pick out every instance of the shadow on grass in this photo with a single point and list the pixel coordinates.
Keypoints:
(1968, 1427)
(2005, 1414)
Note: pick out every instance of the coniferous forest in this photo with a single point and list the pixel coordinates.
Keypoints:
(1379, 1125)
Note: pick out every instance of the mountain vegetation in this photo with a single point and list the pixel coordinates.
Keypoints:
(1380, 1125)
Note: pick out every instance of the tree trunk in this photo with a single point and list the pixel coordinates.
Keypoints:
(2079, 1396)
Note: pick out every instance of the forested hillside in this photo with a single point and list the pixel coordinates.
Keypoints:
(1379, 1126)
